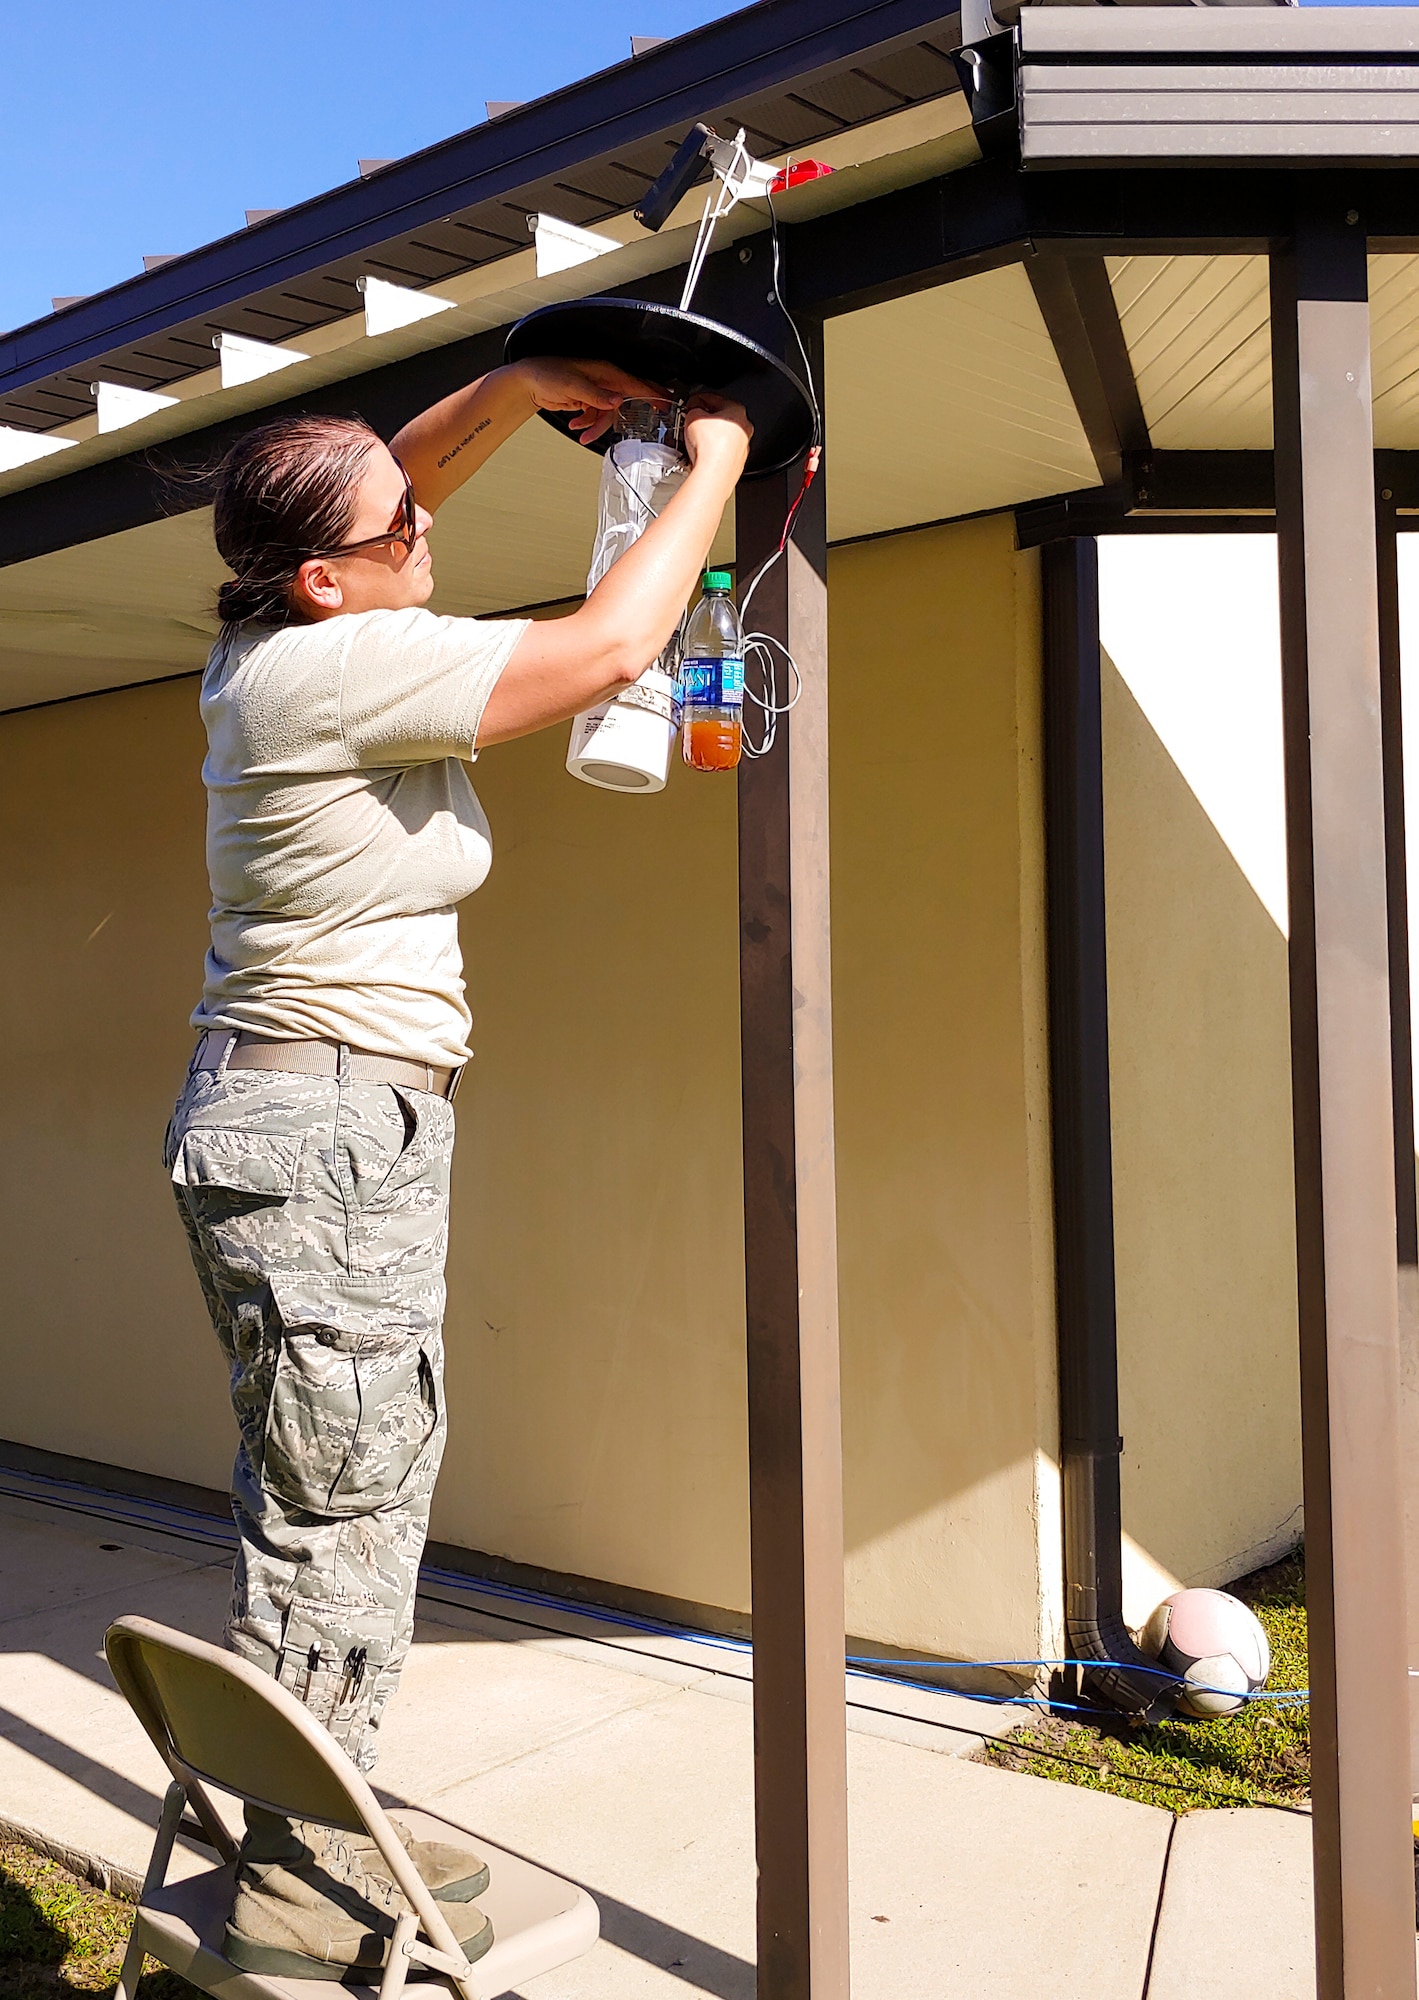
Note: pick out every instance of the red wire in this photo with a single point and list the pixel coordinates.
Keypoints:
(810, 473)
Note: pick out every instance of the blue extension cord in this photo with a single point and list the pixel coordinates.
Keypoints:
(520, 1594)
(142, 1512)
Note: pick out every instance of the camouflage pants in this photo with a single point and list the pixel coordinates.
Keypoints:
(317, 1213)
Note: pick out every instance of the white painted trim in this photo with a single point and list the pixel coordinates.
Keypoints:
(562, 245)
(22, 447)
(244, 360)
(389, 306)
(120, 406)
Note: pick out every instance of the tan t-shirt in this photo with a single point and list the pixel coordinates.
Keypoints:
(342, 827)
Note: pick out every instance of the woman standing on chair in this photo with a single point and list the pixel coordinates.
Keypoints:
(311, 1144)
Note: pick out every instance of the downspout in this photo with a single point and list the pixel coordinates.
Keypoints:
(1089, 1443)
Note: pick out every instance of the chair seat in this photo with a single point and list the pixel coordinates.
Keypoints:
(539, 1921)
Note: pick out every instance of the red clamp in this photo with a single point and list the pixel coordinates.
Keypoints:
(797, 173)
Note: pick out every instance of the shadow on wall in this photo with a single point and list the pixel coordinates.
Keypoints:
(1203, 1193)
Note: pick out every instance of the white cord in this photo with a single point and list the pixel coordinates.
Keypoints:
(762, 646)
(798, 337)
(760, 573)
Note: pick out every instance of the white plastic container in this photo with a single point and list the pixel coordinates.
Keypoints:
(625, 745)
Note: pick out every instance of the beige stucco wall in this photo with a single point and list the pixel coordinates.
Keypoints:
(102, 908)
(595, 1364)
(946, 1247)
(1205, 1238)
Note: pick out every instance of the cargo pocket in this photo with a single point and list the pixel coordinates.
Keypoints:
(261, 1164)
(356, 1393)
(334, 1671)
(235, 1187)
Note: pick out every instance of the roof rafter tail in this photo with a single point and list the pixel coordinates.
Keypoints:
(1076, 301)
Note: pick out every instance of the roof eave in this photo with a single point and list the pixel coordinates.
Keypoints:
(761, 47)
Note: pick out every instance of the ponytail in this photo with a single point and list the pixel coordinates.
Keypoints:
(283, 490)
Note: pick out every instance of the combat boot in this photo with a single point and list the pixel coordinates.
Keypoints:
(452, 1874)
(309, 1909)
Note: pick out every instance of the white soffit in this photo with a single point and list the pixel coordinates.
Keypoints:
(1199, 336)
(1394, 351)
(138, 605)
(146, 593)
(119, 406)
(388, 307)
(130, 607)
(948, 402)
(562, 245)
(242, 360)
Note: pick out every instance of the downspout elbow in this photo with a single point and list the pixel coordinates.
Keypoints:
(1125, 1678)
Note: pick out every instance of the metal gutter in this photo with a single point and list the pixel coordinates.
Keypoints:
(1206, 86)
(1273, 33)
(889, 153)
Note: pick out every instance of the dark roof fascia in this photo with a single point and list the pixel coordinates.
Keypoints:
(759, 48)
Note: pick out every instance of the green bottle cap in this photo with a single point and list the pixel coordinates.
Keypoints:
(717, 579)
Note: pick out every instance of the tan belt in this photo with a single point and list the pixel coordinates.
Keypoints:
(315, 1058)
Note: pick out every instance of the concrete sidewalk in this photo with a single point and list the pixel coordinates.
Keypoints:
(623, 1760)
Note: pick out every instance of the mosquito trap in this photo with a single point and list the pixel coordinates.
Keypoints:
(625, 745)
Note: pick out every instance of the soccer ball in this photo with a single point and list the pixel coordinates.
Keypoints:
(1215, 1646)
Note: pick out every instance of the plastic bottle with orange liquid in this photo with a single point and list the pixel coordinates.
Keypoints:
(712, 679)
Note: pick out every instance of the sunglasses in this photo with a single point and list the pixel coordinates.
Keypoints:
(403, 536)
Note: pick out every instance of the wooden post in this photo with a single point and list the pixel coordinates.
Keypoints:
(790, 1241)
(1402, 1063)
(1342, 1106)
(1401, 1039)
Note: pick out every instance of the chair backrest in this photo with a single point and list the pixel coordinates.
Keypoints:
(223, 1719)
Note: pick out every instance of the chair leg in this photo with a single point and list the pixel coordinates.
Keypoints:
(452, 1964)
(174, 1805)
(210, 1822)
(396, 1971)
(127, 1987)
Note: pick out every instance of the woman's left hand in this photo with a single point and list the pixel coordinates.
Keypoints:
(594, 390)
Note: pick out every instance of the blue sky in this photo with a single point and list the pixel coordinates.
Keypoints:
(144, 130)
(151, 129)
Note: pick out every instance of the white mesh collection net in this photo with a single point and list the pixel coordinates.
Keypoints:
(624, 745)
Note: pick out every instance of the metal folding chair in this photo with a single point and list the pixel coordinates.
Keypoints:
(218, 1721)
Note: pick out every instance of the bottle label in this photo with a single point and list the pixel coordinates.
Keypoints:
(717, 683)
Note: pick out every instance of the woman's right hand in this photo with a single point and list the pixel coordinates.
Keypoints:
(717, 434)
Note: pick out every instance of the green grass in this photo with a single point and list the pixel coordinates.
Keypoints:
(1259, 1757)
(61, 1936)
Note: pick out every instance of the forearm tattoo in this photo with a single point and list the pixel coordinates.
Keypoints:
(454, 450)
